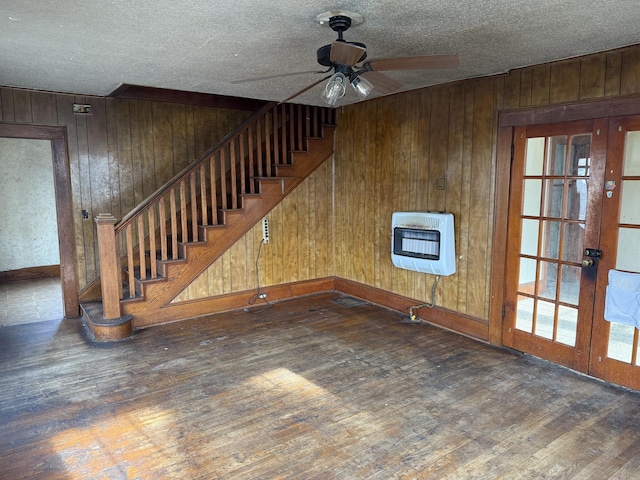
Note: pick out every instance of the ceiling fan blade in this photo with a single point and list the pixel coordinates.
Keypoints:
(381, 82)
(413, 63)
(344, 53)
(300, 92)
(269, 77)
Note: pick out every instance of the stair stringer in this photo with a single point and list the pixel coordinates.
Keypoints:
(157, 294)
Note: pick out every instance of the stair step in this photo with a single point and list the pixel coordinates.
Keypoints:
(275, 179)
(103, 329)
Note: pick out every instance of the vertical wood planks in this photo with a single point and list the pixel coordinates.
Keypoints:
(66, 117)
(88, 227)
(612, 74)
(630, 71)
(453, 177)
(564, 82)
(592, 76)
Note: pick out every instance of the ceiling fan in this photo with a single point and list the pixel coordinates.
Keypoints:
(343, 57)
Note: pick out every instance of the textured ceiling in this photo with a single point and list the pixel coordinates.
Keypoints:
(91, 47)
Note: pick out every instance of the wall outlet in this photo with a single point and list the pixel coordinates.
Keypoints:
(262, 295)
(265, 230)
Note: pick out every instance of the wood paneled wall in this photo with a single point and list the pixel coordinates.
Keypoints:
(389, 154)
(120, 153)
(391, 151)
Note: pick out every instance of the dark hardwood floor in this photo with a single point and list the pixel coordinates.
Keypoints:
(307, 389)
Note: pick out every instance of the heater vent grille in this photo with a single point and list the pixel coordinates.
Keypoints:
(423, 242)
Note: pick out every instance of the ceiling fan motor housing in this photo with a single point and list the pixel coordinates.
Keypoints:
(339, 23)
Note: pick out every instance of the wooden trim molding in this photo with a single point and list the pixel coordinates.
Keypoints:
(228, 302)
(31, 273)
(441, 317)
(586, 110)
(62, 186)
(500, 234)
(135, 92)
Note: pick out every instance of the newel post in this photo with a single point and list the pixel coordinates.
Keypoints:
(109, 266)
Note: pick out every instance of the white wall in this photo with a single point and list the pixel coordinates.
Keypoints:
(28, 226)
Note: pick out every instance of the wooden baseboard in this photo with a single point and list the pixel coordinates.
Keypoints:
(441, 317)
(233, 301)
(31, 273)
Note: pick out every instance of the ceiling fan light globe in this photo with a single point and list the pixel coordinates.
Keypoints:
(335, 89)
(362, 87)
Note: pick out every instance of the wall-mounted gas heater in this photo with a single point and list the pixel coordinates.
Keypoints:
(423, 242)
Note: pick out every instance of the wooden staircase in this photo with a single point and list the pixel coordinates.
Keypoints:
(160, 247)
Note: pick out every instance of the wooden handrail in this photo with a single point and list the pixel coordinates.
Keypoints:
(151, 199)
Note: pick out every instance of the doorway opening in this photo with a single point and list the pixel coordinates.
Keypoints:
(30, 279)
(56, 137)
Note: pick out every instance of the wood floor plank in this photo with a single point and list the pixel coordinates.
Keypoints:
(310, 388)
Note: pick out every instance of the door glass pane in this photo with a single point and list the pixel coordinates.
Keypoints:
(548, 280)
(553, 198)
(628, 256)
(573, 242)
(577, 199)
(630, 202)
(527, 275)
(580, 160)
(557, 155)
(551, 239)
(544, 319)
(535, 157)
(567, 325)
(531, 200)
(632, 154)
(529, 244)
(524, 319)
(570, 284)
(620, 342)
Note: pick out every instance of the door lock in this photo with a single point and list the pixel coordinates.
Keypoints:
(593, 254)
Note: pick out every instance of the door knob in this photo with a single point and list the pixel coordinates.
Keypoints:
(587, 262)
